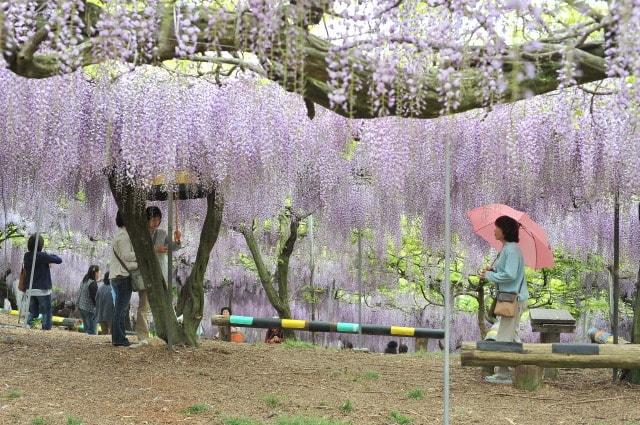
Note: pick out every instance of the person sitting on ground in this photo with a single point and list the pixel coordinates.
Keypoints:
(104, 306)
(274, 336)
(87, 299)
(403, 349)
(40, 288)
(392, 348)
(63, 309)
(7, 293)
(224, 332)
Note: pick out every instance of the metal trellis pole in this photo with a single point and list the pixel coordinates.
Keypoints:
(360, 288)
(33, 267)
(169, 276)
(616, 272)
(447, 277)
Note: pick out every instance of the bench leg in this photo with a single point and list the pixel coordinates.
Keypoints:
(550, 338)
(527, 377)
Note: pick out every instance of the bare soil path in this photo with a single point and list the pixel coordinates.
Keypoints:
(48, 377)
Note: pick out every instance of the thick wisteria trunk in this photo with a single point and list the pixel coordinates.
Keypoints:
(131, 203)
(191, 298)
(279, 298)
(635, 337)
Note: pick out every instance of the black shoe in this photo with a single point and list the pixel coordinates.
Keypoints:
(122, 344)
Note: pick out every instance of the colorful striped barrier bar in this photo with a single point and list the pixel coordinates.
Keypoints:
(318, 326)
(65, 322)
(488, 353)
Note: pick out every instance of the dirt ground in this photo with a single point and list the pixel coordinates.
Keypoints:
(50, 377)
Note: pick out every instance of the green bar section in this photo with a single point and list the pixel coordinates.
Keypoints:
(240, 320)
(347, 327)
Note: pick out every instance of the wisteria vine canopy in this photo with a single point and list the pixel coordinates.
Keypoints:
(360, 58)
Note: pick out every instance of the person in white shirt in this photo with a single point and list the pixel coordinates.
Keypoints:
(122, 259)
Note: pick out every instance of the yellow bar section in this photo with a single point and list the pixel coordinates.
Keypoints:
(293, 324)
(402, 331)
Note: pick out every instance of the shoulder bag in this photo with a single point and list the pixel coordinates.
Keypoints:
(506, 303)
(137, 283)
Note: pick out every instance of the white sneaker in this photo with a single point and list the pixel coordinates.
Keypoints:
(139, 344)
(498, 379)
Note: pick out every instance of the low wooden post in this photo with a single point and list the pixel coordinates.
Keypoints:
(422, 344)
(528, 377)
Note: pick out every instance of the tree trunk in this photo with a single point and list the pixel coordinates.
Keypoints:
(279, 298)
(131, 203)
(635, 336)
(482, 321)
(232, 32)
(191, 298)
(422, 344)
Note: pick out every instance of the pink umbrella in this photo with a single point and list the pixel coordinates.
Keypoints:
(533, 239)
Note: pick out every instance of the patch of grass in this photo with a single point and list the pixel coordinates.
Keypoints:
(39, 421)
(294, 343)
(346, 407)
(13, 394)
(400, 419)
(272, 401)
(416, 394)
(195, 409)
(240, 421)
(306, 420)
(371, 375)
(71, 420)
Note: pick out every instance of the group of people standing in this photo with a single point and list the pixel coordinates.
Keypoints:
(507, 272)
(95, 303)
(106, 304)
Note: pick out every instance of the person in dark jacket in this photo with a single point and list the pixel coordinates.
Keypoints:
(104, 306)
(40, 288)
(392, 348)
(87, 299)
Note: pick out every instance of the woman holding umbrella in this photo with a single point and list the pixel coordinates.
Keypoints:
(521, 242)
(508, 275)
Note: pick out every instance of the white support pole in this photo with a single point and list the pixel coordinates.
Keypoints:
(33, 267)
(311, 274)
(312, 258)
(169, 276)
(447, 277)
(360, 288)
